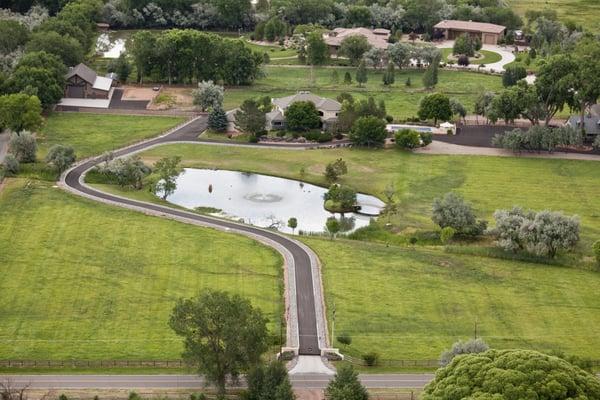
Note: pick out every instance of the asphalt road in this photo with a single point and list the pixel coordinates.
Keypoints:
(307, 323)
(303, 381)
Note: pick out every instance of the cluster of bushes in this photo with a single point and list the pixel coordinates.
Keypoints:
(542, 233)
(411, 139)
(538, 138)
(466, 45)
(186, 55)
(125, 172)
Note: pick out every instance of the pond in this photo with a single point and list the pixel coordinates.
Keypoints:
(265, 201)
(110, 44)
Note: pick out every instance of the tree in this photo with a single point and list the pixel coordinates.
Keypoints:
(270, 382)
(408, 139)
(317, 52)
(13, 34)
(340, 198)
(430, 77)
(274, 29)
(457, 108)
(550, 232)
(400, 54)
(347, 78)
(453, 211)
(464, 45)
(208, 95)
(588, 75)
(19, 112)
(506, 105)
(302, 116)
(143, 49)
(389, 76)
(335, 77)
(361, 73)
(167, 170)
(374, 57)
(435, 106)
(121, 67)
(23, 146)
(68, 49)
(60, 157)
(224, 334)
(368, 131)
(354, 47)
(39, 82)
(292, 223)
(482, 103)
(332, 226)
(346, 385)
(11, 165)
(125, 172)
(472, 346)
(49, 62)
(508, 228)
(554, 84)
(511, 374)
(250, 119)
(513, 74)
(217, 120)
(335, 169)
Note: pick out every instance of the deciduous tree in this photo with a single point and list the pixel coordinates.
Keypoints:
(354, 47)
(435, 106)
(167, 170)
(60, 157)
(368, 131)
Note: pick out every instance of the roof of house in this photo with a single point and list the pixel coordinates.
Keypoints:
(274, 115)
(322, 103)
(90, 76)
(470, 26)
(591, 123)
(377, 38)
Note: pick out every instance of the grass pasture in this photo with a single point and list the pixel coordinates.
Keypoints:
(412, 303)
(90, 281)
(93, 134)
(584, 12)
(401, 101)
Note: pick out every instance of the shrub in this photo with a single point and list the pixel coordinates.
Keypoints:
(134, 396)
(446, 234)
(453, 211)
(335, 169)
(345, 339)
(217, 119)
(596, 249)
(469, 347)
(513, 74)
(596, 143)
(426, 138)
(368, 131)
(463, 60)
(23, 146)
(343, 198)
(389, 118)
(408, 139)
(371, 359)
(11, 165)
(125, 172)
(60, 157)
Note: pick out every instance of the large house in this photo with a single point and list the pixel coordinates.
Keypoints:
(328, 109)
(452, 29)
(591, 125)
(378, 38)
(84, 83)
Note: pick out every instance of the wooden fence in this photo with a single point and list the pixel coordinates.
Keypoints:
(92, 364)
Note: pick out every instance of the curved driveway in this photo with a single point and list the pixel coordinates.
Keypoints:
(305, 310)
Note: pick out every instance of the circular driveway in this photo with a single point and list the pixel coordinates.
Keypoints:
(504, 51)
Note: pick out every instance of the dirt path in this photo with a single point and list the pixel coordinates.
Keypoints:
(454, 149)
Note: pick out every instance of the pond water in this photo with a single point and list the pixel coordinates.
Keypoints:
(111, 45)
(265, 201)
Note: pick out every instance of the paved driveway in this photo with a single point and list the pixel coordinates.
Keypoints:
(4, 138)
(505, 52)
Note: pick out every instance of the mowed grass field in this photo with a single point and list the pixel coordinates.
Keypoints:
(93, 134)
(584, 12)
(82, 280)
(413, 303)
(401, 101)
(488, 182)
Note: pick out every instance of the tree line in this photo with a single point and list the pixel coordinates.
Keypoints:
(185, 56)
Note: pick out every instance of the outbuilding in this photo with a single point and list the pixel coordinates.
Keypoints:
(84, 83)
(487, 33)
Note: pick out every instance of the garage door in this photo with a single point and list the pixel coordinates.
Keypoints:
(489, 39)
(75, 92)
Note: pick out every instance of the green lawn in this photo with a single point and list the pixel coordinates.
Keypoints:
(83, 280)
(401, 101)
(406, 303)
(488, 182)
(93, 134)
(584, 12)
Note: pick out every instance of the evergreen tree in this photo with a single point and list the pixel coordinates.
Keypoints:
(217, 120)
(361, 73)
(346, 386)
(347, 78)
(389, 76)
(430, 78)
(335, 78)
